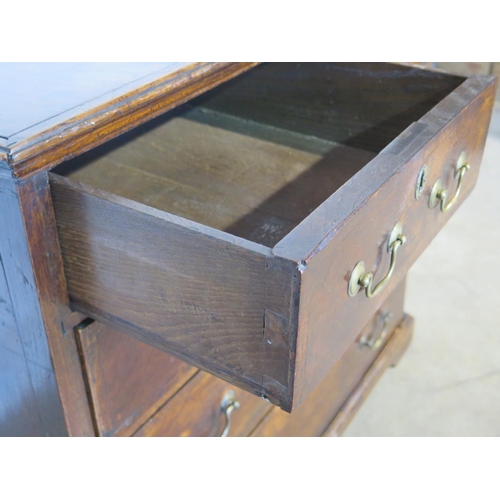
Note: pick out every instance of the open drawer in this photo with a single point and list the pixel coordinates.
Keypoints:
(229, 231)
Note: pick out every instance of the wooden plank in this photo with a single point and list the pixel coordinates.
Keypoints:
(391, 354)
(225, 160)
(85, 127)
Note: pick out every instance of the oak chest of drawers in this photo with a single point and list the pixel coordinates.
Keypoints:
(218, 249)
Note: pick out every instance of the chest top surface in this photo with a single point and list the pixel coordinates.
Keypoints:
(34, 94)
(53, 111)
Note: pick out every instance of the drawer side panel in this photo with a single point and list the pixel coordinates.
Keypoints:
(174, 284)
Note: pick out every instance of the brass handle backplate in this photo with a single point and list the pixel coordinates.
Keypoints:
(228, 404)
(438, 194)
(374, 341)
(361, 279)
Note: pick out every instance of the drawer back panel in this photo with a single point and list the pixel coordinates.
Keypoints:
(361, 105)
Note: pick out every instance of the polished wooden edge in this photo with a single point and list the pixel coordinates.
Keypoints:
(389, 356)
(91, 128)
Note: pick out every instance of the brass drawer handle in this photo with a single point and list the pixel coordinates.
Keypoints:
(440, 194)
(227, 405)
(375, 341)
(360, 279)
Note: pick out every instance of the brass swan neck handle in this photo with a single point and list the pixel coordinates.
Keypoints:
(439, 194)
(361, 279)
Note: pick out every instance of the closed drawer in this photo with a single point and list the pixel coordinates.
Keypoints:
(227, 232)
(199, 410)
(128, 380)
(331, 394)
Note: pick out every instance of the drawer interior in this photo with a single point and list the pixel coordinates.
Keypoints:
(257, 155)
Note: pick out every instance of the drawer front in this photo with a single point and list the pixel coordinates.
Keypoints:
(199, 410)
(128, 379)
(273, 321)
(325, 401)
(436, 141)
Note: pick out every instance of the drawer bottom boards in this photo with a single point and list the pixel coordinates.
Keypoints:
(141, 391)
